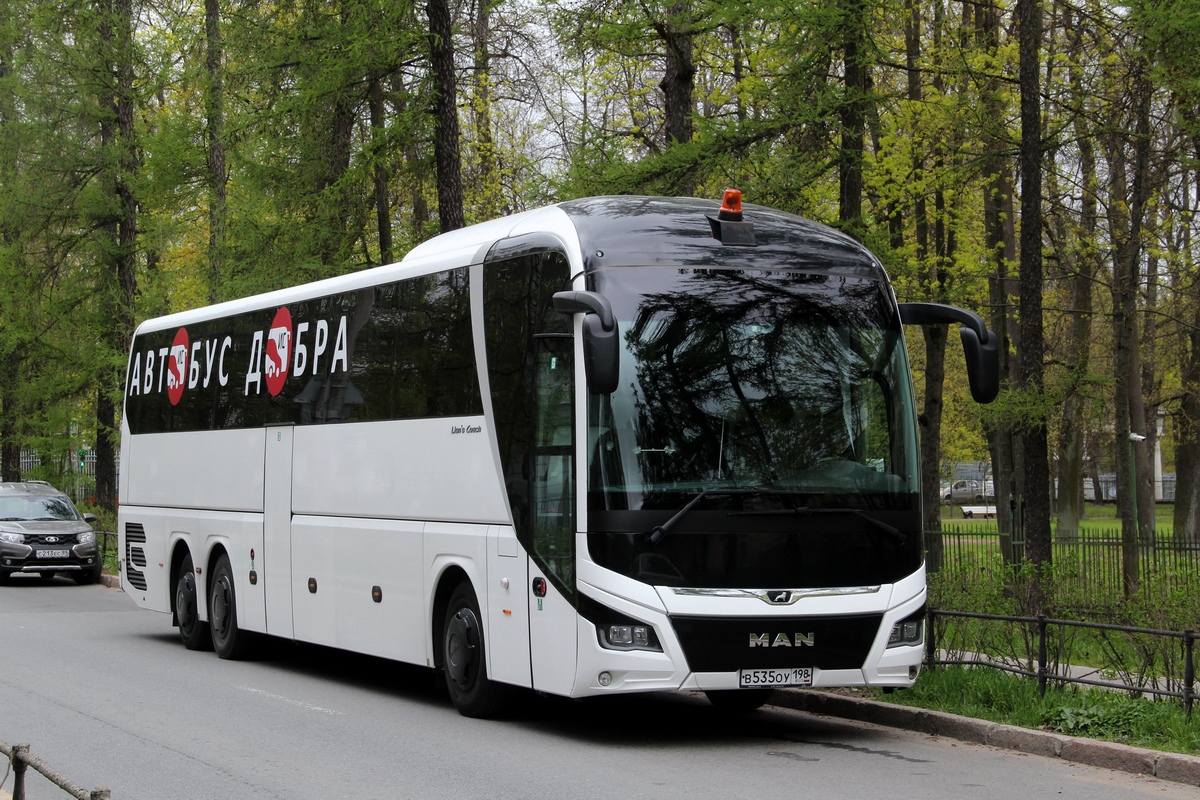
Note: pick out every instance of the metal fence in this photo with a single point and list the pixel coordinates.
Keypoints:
(1043, 646)
(1090, 562)
(73, 473)
(19, 762)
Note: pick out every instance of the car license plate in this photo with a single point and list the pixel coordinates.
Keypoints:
(796, 676)
(53, 553)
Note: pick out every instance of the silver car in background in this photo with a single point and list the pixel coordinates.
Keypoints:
(42, 532)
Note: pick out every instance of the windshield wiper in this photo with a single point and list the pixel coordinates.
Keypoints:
(894, 533)
(659, 531)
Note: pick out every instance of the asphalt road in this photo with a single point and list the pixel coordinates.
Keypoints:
(104, 692)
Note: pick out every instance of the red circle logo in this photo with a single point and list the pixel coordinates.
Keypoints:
(279, 348)
(177, 366)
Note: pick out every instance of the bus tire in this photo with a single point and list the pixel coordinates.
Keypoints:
(193, 631)
(739, 701)
(464, 660)
(228, 640)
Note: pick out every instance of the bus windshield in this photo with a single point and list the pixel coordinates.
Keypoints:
(750, 398)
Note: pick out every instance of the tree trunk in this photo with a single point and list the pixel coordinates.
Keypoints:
(678, 83)
(1001, 243)
(853, 116)
(1080, 260)
(1187, 437)
(215, 134)
(490, 200)
(1033, 435)
(445, 141)
(1126, 213)
(116, 32)
(380, 174)
(10, 447)
(935, 337)
(1187, 444)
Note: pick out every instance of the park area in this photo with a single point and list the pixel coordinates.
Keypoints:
(1072, 637)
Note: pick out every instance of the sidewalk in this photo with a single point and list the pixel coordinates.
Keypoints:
(1107, 755)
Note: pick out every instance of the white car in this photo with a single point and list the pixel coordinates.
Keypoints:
(976, 491)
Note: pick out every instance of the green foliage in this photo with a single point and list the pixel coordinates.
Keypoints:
(1098, 716)
(326, 127)
(1074, 711)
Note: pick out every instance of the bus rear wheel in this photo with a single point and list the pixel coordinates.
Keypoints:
(464, 659)
(193, 631)
(228, 640)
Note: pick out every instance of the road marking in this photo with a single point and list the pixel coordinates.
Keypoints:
(288, 700)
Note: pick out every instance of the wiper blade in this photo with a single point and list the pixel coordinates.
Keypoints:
(659, 531)
(894, 533)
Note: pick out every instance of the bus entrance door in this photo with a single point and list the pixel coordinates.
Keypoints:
(552, 626)
(277, 530)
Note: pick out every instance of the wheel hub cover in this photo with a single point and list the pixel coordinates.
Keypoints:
(461, 643)
(221, 604)
(185, 602)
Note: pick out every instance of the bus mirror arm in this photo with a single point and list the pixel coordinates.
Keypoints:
(980, 345)
(601, 337)
(574, 302)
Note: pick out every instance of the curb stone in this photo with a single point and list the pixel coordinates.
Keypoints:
(1175, 767)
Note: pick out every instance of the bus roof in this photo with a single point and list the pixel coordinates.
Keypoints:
(643, 231)
(608, 231)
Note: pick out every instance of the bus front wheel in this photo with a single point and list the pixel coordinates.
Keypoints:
(228, 640)
(464, 659)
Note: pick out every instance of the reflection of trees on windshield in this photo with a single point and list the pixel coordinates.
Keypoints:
(754, 379)
(47, 508)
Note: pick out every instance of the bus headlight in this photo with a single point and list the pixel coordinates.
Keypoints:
(626, 636)
(909, 631)
(615, 631)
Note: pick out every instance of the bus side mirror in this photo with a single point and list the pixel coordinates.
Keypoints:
(980, 345)
(601, 337)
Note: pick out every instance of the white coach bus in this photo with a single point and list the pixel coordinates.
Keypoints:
(616, 444)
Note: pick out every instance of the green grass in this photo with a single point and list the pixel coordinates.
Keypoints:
(1096, 516)
(1074, 711)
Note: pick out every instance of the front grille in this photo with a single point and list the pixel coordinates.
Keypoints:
(727, 644)
(59, 538)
